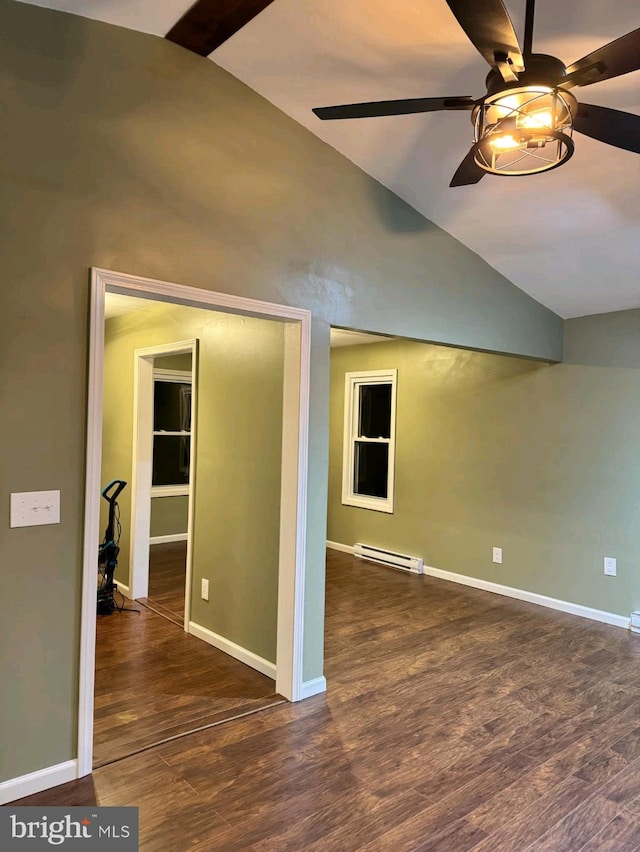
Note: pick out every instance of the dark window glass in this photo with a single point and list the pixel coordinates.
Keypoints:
(375, 411)
(171, 460)
(371, 466)
(171, 407)
(171, 413)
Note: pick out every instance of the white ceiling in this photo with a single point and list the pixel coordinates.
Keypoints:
(570, 237)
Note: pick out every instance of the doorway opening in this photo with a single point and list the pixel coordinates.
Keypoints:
(288, 591)
(162, 465)
(172, 461)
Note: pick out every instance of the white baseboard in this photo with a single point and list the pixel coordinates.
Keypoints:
(168, 539)
(313, 687)
(122, 588)
(247, 657)
(343, 548)
(36, 782)
(530, 597)
(518, 594)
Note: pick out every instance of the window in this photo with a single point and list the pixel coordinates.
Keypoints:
(369, 439)
(171, 433)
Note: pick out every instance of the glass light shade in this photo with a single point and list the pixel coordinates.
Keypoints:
(524, 130)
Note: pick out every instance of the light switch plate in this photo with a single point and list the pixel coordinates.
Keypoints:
(35, 508)
(610, 566)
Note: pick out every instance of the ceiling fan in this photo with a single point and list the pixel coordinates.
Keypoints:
(525, 122)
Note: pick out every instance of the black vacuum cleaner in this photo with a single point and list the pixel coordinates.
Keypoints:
(108, 551)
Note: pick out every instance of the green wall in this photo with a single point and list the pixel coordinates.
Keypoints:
(123, 151)
(237, 459)
(174, 362)
(541, 460)
(169, 515)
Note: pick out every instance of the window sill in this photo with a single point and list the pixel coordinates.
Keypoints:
(170, 491)
(372, 503)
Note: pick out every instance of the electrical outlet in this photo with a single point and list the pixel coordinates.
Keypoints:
(204, 592)
(497, 555)
(610, 568)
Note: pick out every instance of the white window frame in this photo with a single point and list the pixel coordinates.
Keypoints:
(353, 383)
(183, 377)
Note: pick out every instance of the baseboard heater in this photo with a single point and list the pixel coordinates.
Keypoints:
(413, 564)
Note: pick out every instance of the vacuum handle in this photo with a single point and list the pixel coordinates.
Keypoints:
(117, 484)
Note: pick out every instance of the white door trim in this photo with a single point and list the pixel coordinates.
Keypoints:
(142, 464)
(294, 477)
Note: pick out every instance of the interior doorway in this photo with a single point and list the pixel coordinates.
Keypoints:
(163, 462)
(173, 460)
(287, 669)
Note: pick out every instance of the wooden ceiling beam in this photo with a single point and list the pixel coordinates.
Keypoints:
(209, 23)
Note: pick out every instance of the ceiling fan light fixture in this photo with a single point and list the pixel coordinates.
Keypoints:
(525, 130)
(525, 122)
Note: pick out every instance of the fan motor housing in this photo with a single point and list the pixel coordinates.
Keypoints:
(541, 70)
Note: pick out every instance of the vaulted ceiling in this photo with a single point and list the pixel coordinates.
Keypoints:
(570, 237)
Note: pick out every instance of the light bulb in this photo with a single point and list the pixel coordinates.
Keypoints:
(504, 143)
(544, 118)
(506, 106)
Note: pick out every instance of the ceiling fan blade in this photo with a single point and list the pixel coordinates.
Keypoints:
(620, 129)
(468, 171)
(616, 58)
(209, 23)
(373, 109)
(489, 28)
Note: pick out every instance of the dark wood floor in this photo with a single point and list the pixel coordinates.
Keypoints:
(167, 569)
(455, 720)
(154, 681)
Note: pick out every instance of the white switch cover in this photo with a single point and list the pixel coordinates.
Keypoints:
(610, 568)
(497, 555)
(205, 590)
(35, 508)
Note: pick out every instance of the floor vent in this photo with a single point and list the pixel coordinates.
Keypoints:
(388, 557)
